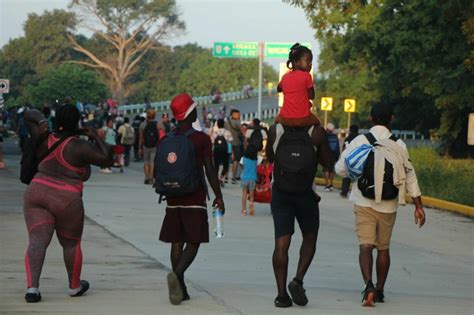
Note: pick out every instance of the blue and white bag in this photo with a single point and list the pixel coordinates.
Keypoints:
(356, 159)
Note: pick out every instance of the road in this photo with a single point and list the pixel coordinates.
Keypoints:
(432, 268)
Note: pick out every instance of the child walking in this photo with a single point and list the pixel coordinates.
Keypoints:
(298, 89)
(248, 181)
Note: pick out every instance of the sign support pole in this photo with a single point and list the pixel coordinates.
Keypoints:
(325, 118)
(348, 120)
(260, 79)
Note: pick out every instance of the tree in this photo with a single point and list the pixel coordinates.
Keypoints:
(130, 29)
(69, 81)
(417, 54)
(44, 45)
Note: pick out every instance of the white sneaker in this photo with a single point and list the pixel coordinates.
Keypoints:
(327, 188)
(107, 170)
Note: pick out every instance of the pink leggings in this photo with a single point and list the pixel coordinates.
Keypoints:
(47, 209)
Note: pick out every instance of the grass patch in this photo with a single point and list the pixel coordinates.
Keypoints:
(444, 178)
(439, 177)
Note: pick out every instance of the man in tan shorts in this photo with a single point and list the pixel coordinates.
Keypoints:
(375, 212)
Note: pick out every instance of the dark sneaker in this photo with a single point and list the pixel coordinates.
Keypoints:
(234, 181)
(33, 297)
(283, 301)
(369, 295)
(298, 293)
(84, 287)
(379, 296)
(174, 289)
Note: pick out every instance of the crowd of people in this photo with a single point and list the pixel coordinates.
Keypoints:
(180, 154)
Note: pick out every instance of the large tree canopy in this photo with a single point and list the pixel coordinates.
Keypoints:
(418, 54)
(128, 29)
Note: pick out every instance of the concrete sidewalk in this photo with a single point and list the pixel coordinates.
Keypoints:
(123, 279)
(432, 268)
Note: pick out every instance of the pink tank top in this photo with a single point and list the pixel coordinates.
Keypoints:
(55, 172)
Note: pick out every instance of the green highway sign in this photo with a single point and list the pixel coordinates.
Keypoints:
(280, 50)
(235, 50)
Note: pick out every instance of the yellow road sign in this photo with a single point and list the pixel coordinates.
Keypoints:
(349, 105)
(326, 103)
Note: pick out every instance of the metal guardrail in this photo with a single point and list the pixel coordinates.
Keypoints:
(402, 134)
(200, 100)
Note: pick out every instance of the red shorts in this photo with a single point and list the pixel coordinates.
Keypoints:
(185, 225)
(119, 149)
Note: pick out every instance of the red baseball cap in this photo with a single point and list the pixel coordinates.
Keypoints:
(182, 105)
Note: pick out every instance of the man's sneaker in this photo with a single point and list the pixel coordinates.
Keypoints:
(379, 296)
(330, 188)
(84, 287)
(234, 181)
(298, 293)
(283, 301)
(33, 297)
(327, 188)
(174, 289)
(368, 298)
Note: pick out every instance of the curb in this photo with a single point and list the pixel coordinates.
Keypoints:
(427, 201)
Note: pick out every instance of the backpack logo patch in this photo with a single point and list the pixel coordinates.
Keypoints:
(172, 157)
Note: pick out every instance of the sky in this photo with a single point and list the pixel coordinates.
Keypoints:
(207, 21)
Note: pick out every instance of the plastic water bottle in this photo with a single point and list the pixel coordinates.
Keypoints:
(218, 218)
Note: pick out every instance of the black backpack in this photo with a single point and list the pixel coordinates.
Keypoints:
(295, 161)
(366, 182)
(255, 144)
(29, 159)
(150, 134)
(176, 170)
(220, 145)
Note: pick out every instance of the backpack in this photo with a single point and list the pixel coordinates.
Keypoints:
(129, 136)
(295, 160)
(150, 135)
(220, 145)
(255, 144)
(366, 183)
(176, 170)
(30, 161)
(333, 143)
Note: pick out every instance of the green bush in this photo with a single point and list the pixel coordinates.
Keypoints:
(444, 178)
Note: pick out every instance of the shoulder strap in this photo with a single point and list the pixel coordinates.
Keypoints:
(53, 147)
(370, 137)
(393, 138)
(189, 132)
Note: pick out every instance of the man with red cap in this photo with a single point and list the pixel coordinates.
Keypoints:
(185, 225)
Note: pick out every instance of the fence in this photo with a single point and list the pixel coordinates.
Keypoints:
(200, 100)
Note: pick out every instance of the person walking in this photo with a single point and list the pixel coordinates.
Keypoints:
(149, 135)
(136, 144)
(248, 182)
(185, 225)
(295, 151)
(127, 138)
(346, 181)
(335, 150)
(233, 125)
(109, 135)
(53, 200)
(387, 176)
(221, 139)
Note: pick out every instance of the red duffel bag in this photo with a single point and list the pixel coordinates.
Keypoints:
(263, 189)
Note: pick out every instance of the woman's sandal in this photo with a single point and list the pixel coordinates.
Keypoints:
(244, 212)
